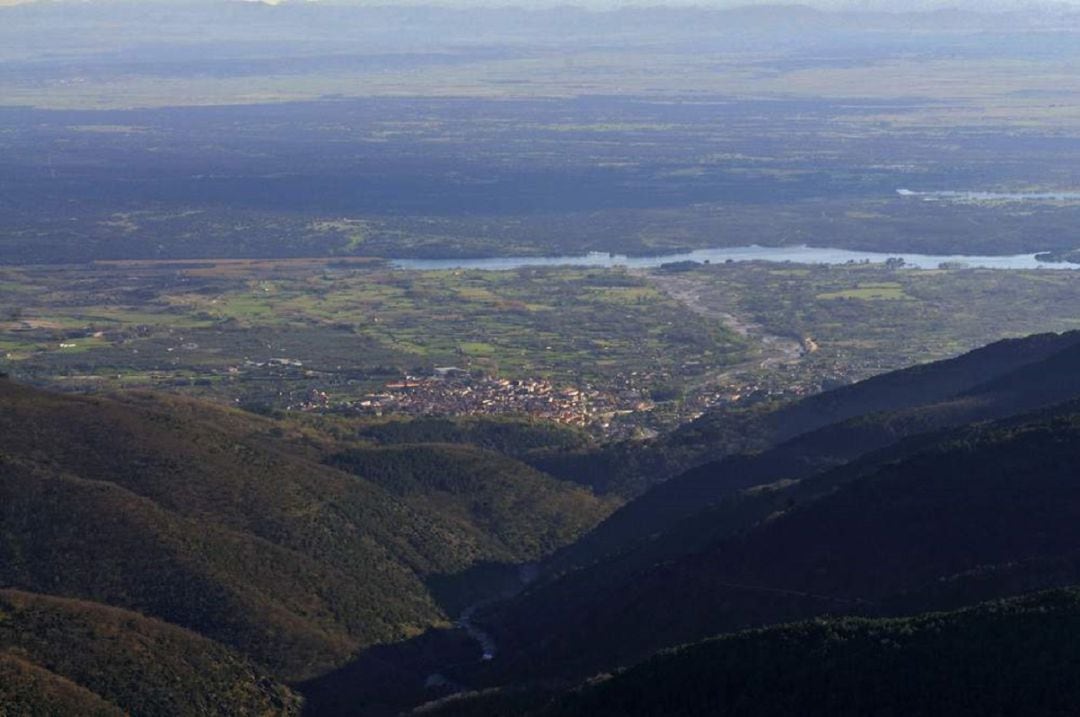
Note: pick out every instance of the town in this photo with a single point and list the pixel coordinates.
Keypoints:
(456, 391)
(626, 409)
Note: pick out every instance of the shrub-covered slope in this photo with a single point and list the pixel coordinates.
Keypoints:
(525, 511)
(510, 436)
(62, 656)
(27, 689)
(203, 517)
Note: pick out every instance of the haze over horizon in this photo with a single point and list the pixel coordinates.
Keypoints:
(850, 5)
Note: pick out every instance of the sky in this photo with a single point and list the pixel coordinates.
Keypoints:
(891, 5)
(887, 5)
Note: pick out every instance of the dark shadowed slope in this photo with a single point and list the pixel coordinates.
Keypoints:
(630, 469)
(1006, 658)
(682, 561)
(869, 540)
(999, 380)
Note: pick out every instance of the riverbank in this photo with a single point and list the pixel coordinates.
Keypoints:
(799, 254)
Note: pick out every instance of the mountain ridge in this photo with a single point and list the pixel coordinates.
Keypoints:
(223, 522)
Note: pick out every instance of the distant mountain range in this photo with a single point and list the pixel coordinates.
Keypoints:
(502, 23)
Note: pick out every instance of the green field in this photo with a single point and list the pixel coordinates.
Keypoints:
(890, 291)
(223, 329)
(660, 346)
(866, 319)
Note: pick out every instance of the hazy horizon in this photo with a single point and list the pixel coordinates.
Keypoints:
(845, 5)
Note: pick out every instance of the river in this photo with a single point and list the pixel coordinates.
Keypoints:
(977, 197)
(794, 254)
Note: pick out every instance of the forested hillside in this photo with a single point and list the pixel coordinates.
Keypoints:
(232, 526)
(1012, 657)
(630, 469)
(962, 491)
(334, 556)
(997, 381)
(514, 507)
(980, 496)
(62, 656)
(539, 358)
